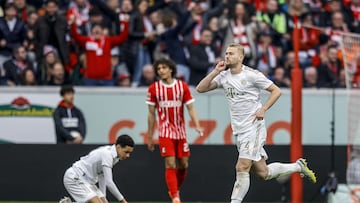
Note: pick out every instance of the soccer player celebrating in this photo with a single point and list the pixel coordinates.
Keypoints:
(168, 96)
(242, 86)
(81, 178)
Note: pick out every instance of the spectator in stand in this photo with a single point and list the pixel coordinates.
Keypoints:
(80, 9)
(202, 12)
(338, 25)
(12, 32)
(354, 7)
(24, 9)
(266, 53)
(288, 63)
(50, 57)
(51, 29)
(332, 6)
(141, 43)
(309, 39)
(126, 7)
(118, 65)
(171, 38)
(240, 30)
(218, 33)
(124, 80)
(113, 13)
(279, 22)
(121, 76)
(148, 76)
(29, 42)
(329, 68)
(315, 7)
(98, 53)
(70, 124)
(58, 75)
(279, 77)
(202, 57)
(310, 77)
(15, 66)
(28, 78)
(297, 8)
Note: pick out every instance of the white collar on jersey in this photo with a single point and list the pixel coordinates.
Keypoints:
(168, 85)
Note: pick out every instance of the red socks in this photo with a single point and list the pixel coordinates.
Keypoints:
(172, 181)
(181, 174)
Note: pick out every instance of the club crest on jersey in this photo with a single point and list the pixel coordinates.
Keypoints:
(243, 82)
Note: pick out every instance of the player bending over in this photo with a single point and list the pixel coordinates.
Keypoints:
(81, 178)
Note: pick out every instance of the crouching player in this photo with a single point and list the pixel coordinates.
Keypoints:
(81, 178)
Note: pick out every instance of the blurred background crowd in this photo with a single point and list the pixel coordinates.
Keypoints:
(115, 42)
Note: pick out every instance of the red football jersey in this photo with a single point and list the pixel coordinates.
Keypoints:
(169, 101)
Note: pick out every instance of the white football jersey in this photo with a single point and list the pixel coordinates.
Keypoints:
(243, 94)
(92, 164)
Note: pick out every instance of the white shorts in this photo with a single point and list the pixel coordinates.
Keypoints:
(250, 144)
(79, 188)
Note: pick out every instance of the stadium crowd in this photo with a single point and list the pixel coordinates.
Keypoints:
(114, 42)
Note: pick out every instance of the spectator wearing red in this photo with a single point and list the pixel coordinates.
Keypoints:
(309, 39)
(98, 53)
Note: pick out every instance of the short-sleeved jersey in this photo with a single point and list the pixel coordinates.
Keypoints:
(169, 102)
(243, 94)
(93, 163)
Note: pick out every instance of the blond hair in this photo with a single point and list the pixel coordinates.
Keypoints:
(238, 46)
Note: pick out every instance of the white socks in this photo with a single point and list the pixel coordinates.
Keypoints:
(279, 169)
(241, 187)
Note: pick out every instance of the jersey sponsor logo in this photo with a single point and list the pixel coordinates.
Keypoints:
(232, 92)
(167, 104)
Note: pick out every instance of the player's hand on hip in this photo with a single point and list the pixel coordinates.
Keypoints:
(220, 66)
(259, 115)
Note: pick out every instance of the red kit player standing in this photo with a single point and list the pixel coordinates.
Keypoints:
(168, 97)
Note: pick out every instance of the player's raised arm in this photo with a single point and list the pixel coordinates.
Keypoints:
(207, 83)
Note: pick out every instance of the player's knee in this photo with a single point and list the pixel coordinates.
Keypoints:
(183, 165)
(170, 165)
(243, 167)
(262, 174)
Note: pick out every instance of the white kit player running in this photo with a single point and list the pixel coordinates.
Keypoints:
(80, 180)
(242, 86)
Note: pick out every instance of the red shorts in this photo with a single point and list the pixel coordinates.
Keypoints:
(172, 147)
